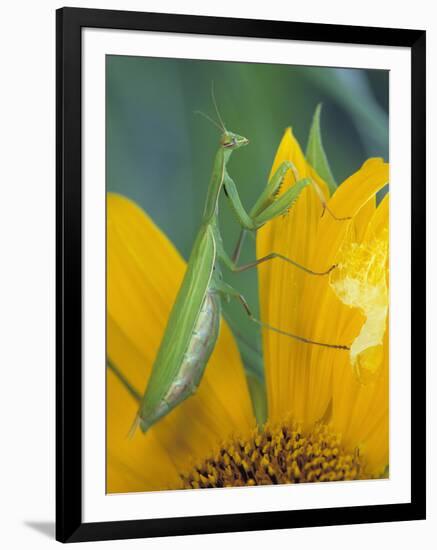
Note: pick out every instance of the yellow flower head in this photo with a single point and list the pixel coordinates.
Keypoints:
(323, 424)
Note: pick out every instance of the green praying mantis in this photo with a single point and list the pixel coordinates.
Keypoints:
(194, 321)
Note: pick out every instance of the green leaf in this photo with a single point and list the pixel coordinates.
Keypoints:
(316, 155)
(128, 386)
(258, 397)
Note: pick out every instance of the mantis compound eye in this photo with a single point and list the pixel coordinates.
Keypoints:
(230, 143)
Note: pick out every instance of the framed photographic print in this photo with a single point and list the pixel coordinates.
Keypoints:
(241, 274)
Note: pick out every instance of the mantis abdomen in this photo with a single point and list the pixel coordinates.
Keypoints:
(199, 350)
(193, 362)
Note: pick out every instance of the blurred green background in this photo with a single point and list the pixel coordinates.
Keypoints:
(160, 153)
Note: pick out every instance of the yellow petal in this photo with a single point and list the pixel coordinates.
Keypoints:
(323, 317)
(361, 220)
(128, 458)
(281, 285)
(360, 412)
(352, 195)
(360, 281)
(299, 376)
(144, 274)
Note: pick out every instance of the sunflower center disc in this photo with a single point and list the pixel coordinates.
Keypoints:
(284, 454)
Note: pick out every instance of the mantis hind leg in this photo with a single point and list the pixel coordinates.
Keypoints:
(229, 291)
(272, 256)
(232, 262)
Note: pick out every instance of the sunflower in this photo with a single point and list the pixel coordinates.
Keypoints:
(327, 408)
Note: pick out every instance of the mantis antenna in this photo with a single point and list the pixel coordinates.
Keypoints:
(220, 126)
(208, 118)
(216, 108)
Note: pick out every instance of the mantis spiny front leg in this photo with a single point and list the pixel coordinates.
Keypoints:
(266, 208)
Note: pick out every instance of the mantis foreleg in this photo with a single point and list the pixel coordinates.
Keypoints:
(273, 187)
(270, 210)
(324, 204)
(267, 208)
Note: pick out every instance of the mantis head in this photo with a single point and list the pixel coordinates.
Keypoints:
(229, 140)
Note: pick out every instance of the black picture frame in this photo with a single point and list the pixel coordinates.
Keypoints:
(69, 25)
